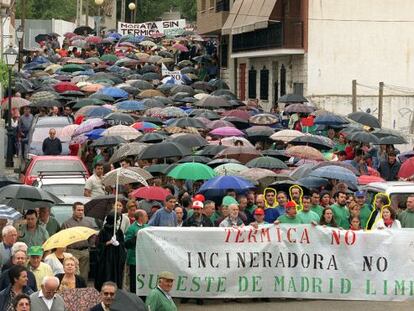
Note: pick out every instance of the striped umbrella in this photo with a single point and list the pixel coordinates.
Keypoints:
(7, 212)
(263, 119)
(43, 96)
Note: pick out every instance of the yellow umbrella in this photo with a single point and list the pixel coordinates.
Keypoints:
(67, 237)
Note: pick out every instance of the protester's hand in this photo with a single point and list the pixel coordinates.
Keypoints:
(314, 223)
(254, 225)
(114, 242)
(276, 222)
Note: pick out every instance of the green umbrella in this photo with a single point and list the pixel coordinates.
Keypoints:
(109, 58)
(72, 68)
(192, 171)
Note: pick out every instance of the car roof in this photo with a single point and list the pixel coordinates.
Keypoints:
(392, 186)
(69, 200)
(62, 180)
(54, 158)
(52, 121)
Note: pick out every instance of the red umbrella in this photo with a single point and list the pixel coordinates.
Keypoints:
(151, 193)
(366, 179)
(69, 35)
(407, 169)
(242, 114)
(373, 172)
(65, 86)
(94, 39)
(180, 47)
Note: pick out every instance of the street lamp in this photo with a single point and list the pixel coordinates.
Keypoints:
(132, 8)
(19, 35)
(98, 18)
(10, 56)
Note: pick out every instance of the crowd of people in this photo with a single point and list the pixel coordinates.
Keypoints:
(33, 278)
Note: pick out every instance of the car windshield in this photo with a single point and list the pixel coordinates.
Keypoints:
(73, 190)
(52, 122)
(398, 200)
(40, 133)
(58, 166)
(63, 212)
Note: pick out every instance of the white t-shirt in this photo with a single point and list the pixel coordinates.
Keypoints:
(95, 185)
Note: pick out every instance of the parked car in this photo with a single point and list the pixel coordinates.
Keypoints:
(398, 192)
(40, 130)
(62, 184)
(37, 165)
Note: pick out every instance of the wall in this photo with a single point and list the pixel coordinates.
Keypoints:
(367, 40)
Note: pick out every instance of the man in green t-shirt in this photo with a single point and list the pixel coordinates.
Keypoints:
(159, 299)
(305, 214)
(291, 215)
(315, 203)
(364, 208)
(340, 211)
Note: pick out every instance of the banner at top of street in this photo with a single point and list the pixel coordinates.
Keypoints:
(170, 27)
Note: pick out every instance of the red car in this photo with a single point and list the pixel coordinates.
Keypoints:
(51, 164)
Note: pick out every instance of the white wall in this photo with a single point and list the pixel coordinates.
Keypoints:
(359, 39)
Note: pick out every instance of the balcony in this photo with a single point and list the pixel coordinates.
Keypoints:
(211, 21)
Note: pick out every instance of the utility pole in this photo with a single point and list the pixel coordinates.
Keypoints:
(354, 95)
(123, 11)
(87, 12)
(380, 101)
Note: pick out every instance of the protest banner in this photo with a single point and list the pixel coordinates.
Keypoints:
(176, 74)
(279, 261)
(171, 27)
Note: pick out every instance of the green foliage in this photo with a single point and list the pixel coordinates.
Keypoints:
(4, 75)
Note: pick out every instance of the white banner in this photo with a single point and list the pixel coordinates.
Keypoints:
(171, 27)
(176, 74)
(279, 261)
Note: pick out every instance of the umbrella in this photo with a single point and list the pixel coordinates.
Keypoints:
(314, 141)
(87, 102)
(125, 301)
(7, 180)
(41, 37)
(164, 150)
(88, 125)
(230, 169)
(217, 162)
(43, 96)
(109, 58)
(267, 163)
(145, 126)
(208, 114)
(17, 102)
(218, 186)
(286, 135)
(9, 213)
(67, 131)
(213, 102)
(151, 193)
(219, 84)
(27, 193)
(366, 179)
(219, 123)
(130, 105)
(292, 98)
(108, 141)
(335, 172)
(261, 175)
(226, 131)
(114, 92)
(94, 134)
(363, 137)
(406, 169)
(152, 138)
(72, 68)
(190, 140)
(83, 30)
(180, 47)
(118, 118)
(96, 112)
(241, 153)
(236, 141)
(299, 108)
(147, 43)
(192, 171)
(305, 152)
(313, 182)
(127, 150)
(263, 119)
(67, 237)
(150, 93)
(364, 118)
(188, 122)
(65, 86)
(330, 119)
(126, 132)
(24, 204)
(80, 298)
(259, 132)
(211, 150)
(405, 156)
(241, 114)
(392, 140)
(195, 158)
(338, 163)
(172, 112)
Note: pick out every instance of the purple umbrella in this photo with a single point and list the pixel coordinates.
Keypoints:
(226, 131)
(220, 123)
(88, 126)
(78, 140)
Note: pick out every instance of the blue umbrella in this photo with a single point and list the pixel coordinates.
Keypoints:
(217, 186)
(335, 172)
(114, 92)
(95, 134)
(40, 60)
(115, 35)
(330, 119)
(130, 105)
(313, 182)
(98, 112)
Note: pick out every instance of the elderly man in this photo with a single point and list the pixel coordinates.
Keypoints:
(52, 145)
(9, 238)
(32, 233)
(36, 266)
(141, 219)
(19, 258)
(165, 217)
(47, 299)
(108, 291)
(159, 299)
(80, 249)
(94, 186)
(233, 220)
(198, 219)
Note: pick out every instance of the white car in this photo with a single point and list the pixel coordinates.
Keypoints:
(63, 184)
(398, 191)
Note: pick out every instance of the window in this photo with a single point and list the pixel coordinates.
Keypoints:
(224, 51)
(252, 83)
(282, 80)
(264, 84)
(222, 5)
(298, 88)
(212, 4)
(270, 37)
(203, 5)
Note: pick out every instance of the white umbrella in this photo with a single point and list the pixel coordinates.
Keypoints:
(126, 132)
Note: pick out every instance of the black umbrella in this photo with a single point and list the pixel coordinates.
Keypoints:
(280, 154)
(149, 76)
(152, 103)
(392, 140)
(22, 204)
(27, 193)
(157, 169)
(190, 140)
(188, 122)
(42, 37)
(6, 180)
(365, 118)
(285, 186)
(211, 150)
(312, 141)
(141, 84)
(267, 163)
(182, 89)
(238, 122)
(299, 108)
(201, 85)
(363, 137)
(100, 206)
(125, 301)
(108, 141)
(213, 102)
(103, 97)
(149, 68)
(313, 182)
(164, 150)
(204, 113)
(292, 98)
(153, 137)
(47, 104)
(219, 84)
(117, 118)
(259, 131)
(196, 159)
(83, 30)
(217, 162)
(224, 92)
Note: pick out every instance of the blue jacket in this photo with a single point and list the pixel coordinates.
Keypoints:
(5, 296)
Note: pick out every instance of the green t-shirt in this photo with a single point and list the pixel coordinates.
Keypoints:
(317, 209)
(339, 147)
(341, 216)
(132, 232)
(285, 219)
(406, 218)
(364, 215)
(308, 217)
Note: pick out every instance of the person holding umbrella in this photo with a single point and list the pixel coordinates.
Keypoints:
(159, 299)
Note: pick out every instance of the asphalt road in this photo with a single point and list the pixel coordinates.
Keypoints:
(296, 305)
